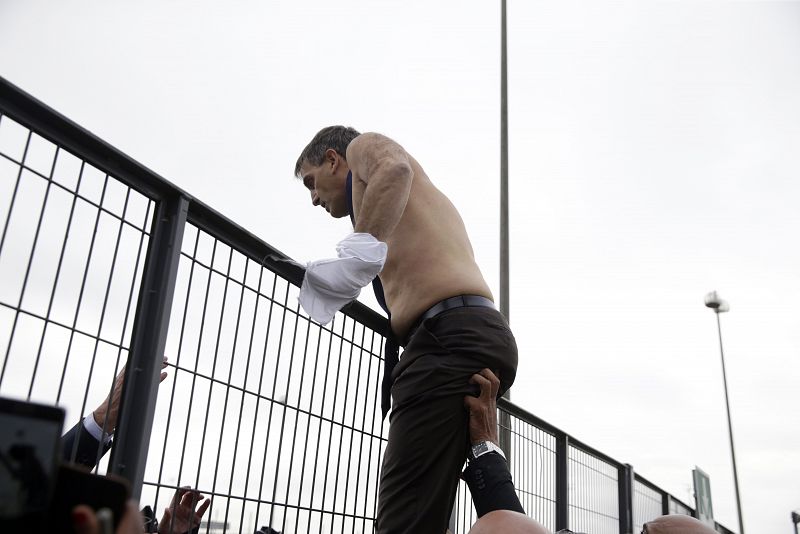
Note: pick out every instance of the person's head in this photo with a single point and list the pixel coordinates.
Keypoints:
(507, 522)
(323, 168)
(676, 524)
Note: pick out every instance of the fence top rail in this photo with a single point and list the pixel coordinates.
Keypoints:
(50, 124)
(53, 126)
(639, 478)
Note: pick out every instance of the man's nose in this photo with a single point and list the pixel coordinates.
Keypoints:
(314, 198)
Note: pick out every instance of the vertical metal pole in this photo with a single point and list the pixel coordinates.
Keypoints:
(148, 339)
(625, 480)
(504, 418)
(562, 481)
(504, 271)
(730, 428)
(665, 503)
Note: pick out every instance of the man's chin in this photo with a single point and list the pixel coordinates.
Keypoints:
(337, 213)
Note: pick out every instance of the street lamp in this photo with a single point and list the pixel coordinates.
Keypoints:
(719, 305)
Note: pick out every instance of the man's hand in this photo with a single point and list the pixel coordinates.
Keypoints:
(106, 414)
(483, 409)
(181, 515)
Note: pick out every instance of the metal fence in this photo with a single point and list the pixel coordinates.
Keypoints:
(275, 417)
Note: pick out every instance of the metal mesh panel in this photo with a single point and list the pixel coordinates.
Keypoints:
(71, 253)
(593, 494)
(464, 514)
(646, 504)
(677, 507)
(272, 415)
(533, 470)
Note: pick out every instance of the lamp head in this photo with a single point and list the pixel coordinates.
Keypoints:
(717, 304)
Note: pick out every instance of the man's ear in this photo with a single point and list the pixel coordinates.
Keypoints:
(332, 157)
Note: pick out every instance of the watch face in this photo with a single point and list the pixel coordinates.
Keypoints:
(480, 448)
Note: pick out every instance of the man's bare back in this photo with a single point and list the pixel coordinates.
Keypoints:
(430, 256)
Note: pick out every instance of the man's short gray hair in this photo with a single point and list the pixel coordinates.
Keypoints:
(335, 137)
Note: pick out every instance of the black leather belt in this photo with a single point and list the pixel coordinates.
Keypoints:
(460, 301)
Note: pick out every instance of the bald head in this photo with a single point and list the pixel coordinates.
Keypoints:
(677, 524)
(507, 522)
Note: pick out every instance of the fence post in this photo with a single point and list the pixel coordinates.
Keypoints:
(562, 481)
(504, 434)
(665, 497)
(148, 339)
(625, 479)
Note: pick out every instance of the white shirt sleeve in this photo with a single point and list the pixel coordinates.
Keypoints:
(331, 283)
(96, 430)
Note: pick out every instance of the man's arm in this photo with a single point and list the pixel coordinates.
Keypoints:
(487, 475)
(483, 408)
(106, 414)
(90, 439)
(87, 448)
(385, 168)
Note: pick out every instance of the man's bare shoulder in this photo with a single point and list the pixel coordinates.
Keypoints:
(367, 141)
(370, 150)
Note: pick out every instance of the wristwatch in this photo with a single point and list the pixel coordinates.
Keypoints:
(484, 447)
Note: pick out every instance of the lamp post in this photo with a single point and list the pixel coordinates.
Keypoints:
(719, 305)
(504, 418)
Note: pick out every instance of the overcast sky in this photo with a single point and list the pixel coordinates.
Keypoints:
(653, 158)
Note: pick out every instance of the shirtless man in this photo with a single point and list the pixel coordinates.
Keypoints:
(440, 308)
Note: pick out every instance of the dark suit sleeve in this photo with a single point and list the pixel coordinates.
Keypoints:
(491, 485)
(87, 450)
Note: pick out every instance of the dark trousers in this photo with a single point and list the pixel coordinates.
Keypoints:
(428, 434)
